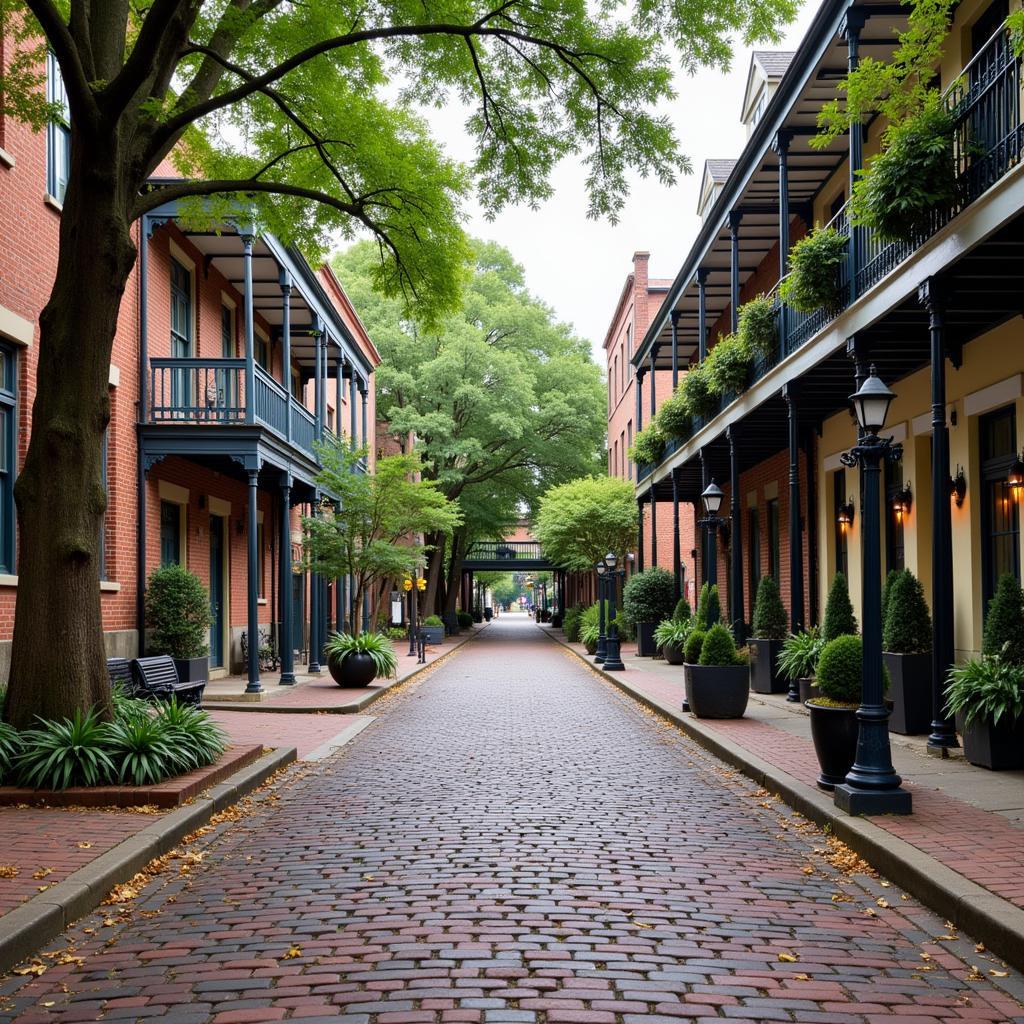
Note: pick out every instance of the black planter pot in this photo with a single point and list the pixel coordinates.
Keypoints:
(834, 731)
(645, 645)
(996, 747)
(808, 689)
(717, 691)
(434, 634)
(354, 669)
(764, 676)
(488, 614)
(193, 670)
(910, 691)
(672, 654)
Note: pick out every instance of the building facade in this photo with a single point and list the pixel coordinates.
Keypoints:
(233, 357)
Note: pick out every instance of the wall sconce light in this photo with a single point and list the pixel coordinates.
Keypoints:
(902, 502)
(844, 514)
(958, 486)
(239, 526)
(1015, 478)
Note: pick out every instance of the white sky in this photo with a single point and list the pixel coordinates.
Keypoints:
(578, 265)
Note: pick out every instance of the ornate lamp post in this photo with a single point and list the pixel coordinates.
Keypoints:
(613, 655)
(872, 785)
(408, 587)
(712, 496)
(602, 640)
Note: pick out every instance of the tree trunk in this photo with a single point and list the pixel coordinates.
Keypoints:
(58, 660)
(452, 583)
(435, 566)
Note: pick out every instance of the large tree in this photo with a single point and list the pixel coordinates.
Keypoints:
(307, 112)
(503, 399)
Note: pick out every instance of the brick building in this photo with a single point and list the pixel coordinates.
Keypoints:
(232, 357)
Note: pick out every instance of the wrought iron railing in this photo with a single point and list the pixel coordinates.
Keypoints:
(303, 427)
(510, 551)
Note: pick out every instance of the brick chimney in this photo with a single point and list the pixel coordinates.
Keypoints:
(641, 314)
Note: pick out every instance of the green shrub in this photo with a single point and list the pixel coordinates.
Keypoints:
(68, 752)
(813, 279)
(682, 610)
(759, 327)
(890, 579)
(590, 633)
(839, 670)
(694, 643)
(770, 618)
(986, 690)
(192, 733)
(464, 619)
(719, 647)
(798, 658)
(397, 633)
(907, 625)
(673, 631)
(177, 612)
(648, 446)
(673, 418)
(695, 388)
(376, 645)
(839, 618)
(649, 596)
(126, 706)
(433, 620)
(143, 752)
(709, 609)
(572, 623)
(1004, 623)
(10, 748)
(728, 366)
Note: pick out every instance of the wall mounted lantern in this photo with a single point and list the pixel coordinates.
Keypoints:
(902, 502)
(958, 486)
(844, 514)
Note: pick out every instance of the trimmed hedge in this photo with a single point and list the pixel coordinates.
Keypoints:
(770, 619)
(839, 618)
(719, 647)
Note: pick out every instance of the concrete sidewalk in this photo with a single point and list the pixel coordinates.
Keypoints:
(961, 851)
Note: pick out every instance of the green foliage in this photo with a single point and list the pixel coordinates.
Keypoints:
(673, 631)
(839, 618)
(579, 522)
(142, 751)
(719, 648)
(433, 620)
(728, 366)
(800, 653)
(709, 608)
(770, 618)
(10, 748)
(682, 611)
(397, 633)
(1015, 23)
(907, 625)
(813, 279)
(986, 690)
(590, 634)
(572, 622)
(673, 418)
(177, 612)
(694, 643)
(759, 326)
(126, 706)
(464, 619)
(697, 395)
(648, 596)
(890, 579)
(376, 645)
(191, 732)
(839, 670)
(68, 752)
(1004, 623)
(648, 446)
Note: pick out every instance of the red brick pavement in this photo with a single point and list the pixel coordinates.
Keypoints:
(304, 732)
(515, 842)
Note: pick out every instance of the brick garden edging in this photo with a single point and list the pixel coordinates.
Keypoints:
(35, 922)
(972, 908)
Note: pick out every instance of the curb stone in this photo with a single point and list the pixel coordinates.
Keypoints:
(35, 922)
(983, 915)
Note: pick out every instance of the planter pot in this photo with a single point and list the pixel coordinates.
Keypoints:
(834, 731)
(193, 670)
(591, 648)
(488, 614)
(673, 654)
(717, 691)
(645, 645)
(808, 689)
(996, 747)
(433, 634)
(910, 691)
(353, 670)
(764, 676)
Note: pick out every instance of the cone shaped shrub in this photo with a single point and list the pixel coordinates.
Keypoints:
(719, 647)
(709, 610)
(694, 643)
(770, 620)
(886, 590)
(682, 611)
(1004, 623)
(839, 670)
(839, 618)
(907, 625)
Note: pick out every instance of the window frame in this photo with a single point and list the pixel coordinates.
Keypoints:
(8, 458)
(994, 470)
(57, 132)
(181, 527)
(774, 540)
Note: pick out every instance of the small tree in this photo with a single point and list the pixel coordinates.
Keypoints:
(719, 647)
(177, 612)
(887, 590)
(682, 610)
(649, 596)
(907, 625)
(770, 620)
(370, 534)
(839, 618)
(709, 610)
(1004, 624)
(839, 670)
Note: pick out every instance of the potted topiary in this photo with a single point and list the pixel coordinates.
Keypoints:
(433, 628)
(759, 326)
(834, 712)
(356, 659)
(671, 637)
(987, 698)
(718, 686)
(728, 366)
(798, 661)
(465, 620)
(709, 610)
(178, 616)
(839, 618)
(769, 633)
(907, 652)
(647, 599)
(1004, 634)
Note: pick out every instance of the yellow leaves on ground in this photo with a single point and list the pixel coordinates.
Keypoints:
(788, 958)
(882, 902)
(293, 953)
(36, 968)
(9, 871)
(42, 873)
(83, 845)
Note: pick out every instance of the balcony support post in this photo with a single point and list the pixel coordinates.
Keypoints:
(675, 349)
(640, 534)
(324, 348)
(314, 611)
(364, 389)
(677, 560)
(855, 20)
(639, 400)
(654, 526)
(796, 568)
(285, 646)
(286, 361)
(781, 146)
(704, 555)
(735, 538)
(338, 394)
(253, 567)
(653, 398)
(702, 313)
(352, 408)
(735, 217)
(250, 351)
(943, 734)
(318, 383)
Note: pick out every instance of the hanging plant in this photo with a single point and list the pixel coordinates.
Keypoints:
(673, 418)
(813, 279)
(759, 326)
(648, 446)
(728, 366)
(697, 396)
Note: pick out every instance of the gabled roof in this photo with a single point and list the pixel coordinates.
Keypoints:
(765, 66)
(716, 172)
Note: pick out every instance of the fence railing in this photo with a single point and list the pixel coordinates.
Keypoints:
(509, 551)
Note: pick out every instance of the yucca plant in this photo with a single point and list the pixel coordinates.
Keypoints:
(673, 631)
(69, 752)
(376, 645)
(987, 689)
(192, 733)
(126, 706)
(10, 748)
(800, 653)
(143, 750)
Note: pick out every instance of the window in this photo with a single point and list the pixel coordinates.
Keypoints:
(629, 444)
(263, 352)
(58, 133)
(615, 374)
(296, 385)
(629, 338)
(8, 456)
(260, 539)
(841, 540)
(1000, 514)
(170, 533)
(759, 108)
(753, 554)
(773, 539)
(894, 529)
(181, 333)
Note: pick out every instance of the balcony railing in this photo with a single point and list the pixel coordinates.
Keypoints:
(509, 551)
(988, 141)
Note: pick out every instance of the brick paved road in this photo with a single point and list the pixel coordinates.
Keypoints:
(514, 841)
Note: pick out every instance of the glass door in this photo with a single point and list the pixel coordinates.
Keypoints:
(217, 591)
(1000, 515)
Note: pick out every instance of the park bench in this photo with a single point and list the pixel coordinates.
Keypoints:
(120, 672)
(158, 677)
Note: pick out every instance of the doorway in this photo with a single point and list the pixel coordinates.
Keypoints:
(218, 550)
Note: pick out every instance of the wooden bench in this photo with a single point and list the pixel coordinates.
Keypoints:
(120, 672)
(158, 677)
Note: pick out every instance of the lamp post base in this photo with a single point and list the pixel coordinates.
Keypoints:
(870, 802)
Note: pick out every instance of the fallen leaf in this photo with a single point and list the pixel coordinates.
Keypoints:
(979, 947)
(49, 1003)
(35, 969)
(884, 884)
(801, 977)
(84, 845)
(788, 958)
(975, 974)
(882, 902)
(42, 873)
(871, 912)
(926, 956)
(998, 974)
(807, 869)
(946, 938)
(8, 871)
(292, 953)
(367, 878)
(642, 924)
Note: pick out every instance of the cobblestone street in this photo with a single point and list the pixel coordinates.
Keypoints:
(514, 841)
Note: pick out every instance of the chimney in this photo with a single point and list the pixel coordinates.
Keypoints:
(641, 314)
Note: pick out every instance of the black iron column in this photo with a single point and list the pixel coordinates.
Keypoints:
(796, 561)
(855, 19)
(677, 558)
(735, 538)
(314, 614)
(702, 313)
(654, 527)
(640, 535)
(250, 341)
(705, 479)
(943, 734)
(675, 349)
(285, 281)
(639, 415)
(613, 650)
(285, 646)
(735, 216)
(781, 146)
(653, 401)
(253, 568)
(602, 637)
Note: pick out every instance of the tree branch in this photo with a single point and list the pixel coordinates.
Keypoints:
(58, 35)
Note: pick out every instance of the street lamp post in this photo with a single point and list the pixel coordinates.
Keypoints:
(872, 785)
(613, 654)
(602, 640)
(712, 497)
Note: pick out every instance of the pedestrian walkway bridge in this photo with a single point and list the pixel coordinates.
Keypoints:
(506, 555)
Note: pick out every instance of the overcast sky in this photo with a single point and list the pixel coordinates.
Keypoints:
(578, 265)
